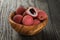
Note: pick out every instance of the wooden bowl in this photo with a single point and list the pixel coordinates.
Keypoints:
(26, 30)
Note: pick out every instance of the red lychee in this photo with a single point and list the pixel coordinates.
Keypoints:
(20, 10)
(27, 20)
(31, 11)
(42, 15)
(36, 21)
(18, 18)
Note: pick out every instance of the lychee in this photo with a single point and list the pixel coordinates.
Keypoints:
(20, 10)
(27, 20)
(36, 21)
(42, 15)
(31, 11)
(18, 18)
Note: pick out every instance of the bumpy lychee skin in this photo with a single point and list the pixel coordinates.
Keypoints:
(27, 20)
(17, 18)
(42, 15)
(31, 11)
(36, 22)
(20, 10)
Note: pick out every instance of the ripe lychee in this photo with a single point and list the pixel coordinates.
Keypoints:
(27, 20)
(42, 15)
(20, 10)
(18, 18)
(36, 21)
(31, 11)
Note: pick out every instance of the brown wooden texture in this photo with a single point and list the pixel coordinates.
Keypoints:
(8, 33)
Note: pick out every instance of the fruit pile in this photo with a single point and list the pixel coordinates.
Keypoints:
(29, 16)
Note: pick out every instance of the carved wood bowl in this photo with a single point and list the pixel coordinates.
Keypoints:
(26, 30)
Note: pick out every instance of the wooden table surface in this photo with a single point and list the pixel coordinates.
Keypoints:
(50, 32)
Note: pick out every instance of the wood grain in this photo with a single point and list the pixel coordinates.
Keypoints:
(48, 33)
